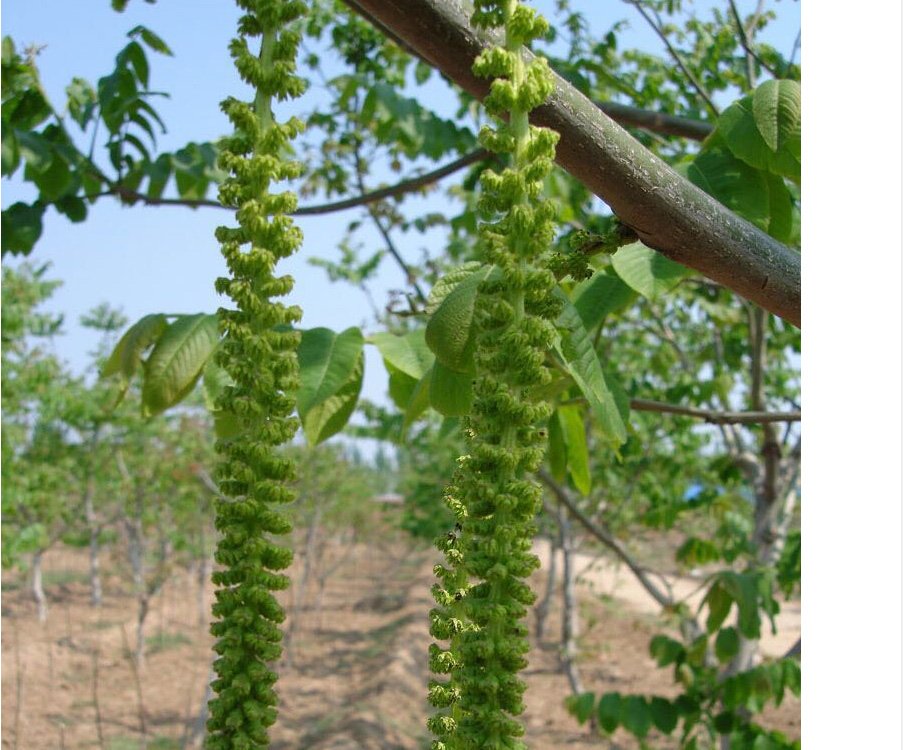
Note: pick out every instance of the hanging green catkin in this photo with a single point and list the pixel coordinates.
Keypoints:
(259, 352)
(482, 595)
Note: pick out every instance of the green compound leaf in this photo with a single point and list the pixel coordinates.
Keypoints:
(177, 361)
(727, 644)
(401, 386)
(214, 383)
(451, 392)
(635, 715)
(695, 551)
(743, 589)
(573, 431)
(557, 452)
(664, 714)
(126, 355)
(408, 353)
(419, 401)
(81, 99)
(719, 602)
(449, 281)
(646, 271)
(21, 227)
(666, 650)
(581, 706)
(9, 148)
(327, 418)
(215, 380)
(609, 711)
(579, 357)
(600, 296)
(327, 361)
(758, 196)
(450, 333)
(151, 40)
(765, 129)
(792, 676)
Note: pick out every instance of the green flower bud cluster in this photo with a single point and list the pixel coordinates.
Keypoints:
(482, 595)
(259, 352)
(584, 245)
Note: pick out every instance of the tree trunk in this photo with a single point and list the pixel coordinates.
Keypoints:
(545, 604)
(94, 565)
(570, 622)
(195, 737)
(143, 609)
(202, 574)
(37, 585)
(300, 590)
(94, 531)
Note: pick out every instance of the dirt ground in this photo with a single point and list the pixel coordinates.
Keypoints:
(356, 677)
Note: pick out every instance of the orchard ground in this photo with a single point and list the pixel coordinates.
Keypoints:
(358, 673)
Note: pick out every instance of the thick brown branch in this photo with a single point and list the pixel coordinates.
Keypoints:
(668, 213)
(716, 417)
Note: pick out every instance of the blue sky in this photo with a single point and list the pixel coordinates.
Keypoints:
(144, 259)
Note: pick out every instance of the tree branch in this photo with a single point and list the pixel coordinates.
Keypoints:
(606, 538)
(656, 26)
(716, 417)
(400, 188)
(656, 122)
(668, 213)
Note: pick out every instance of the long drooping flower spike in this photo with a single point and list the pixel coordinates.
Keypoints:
(259, 352)
(482, 593)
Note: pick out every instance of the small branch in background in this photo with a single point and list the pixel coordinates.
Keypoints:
(604, 536)
(716, 417)
(796, 48)
(656, 25)
(410, 277)
(20, 685)
(364, 199)
(136, 676)
(746, 43)
(657, 122)
(95, 696)
(541, 611)
(570, 627)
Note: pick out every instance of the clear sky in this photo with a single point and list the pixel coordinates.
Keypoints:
(164, 259)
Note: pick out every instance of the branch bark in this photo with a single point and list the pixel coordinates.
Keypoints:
(716, 417)
(667, 212)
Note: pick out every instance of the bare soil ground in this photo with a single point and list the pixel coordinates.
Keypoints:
(356, 678)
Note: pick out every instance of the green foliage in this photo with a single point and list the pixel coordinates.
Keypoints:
(177, 361)
(581, 362)
(646, 271)
(764, 128)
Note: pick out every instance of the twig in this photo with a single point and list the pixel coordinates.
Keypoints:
(409, 275)
(746, 43)
(656, 27)
(133, 664)
(405, 186)
(796, 46)
(95, 699)
(606, 538)
(20, 686)
(716, 417)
